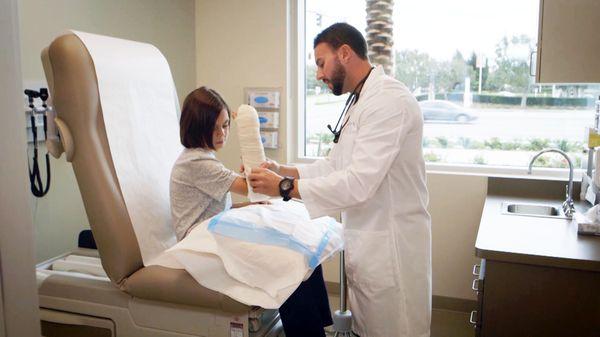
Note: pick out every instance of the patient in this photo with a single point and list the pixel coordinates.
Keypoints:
(200, 188)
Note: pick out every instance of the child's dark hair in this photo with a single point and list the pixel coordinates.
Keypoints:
(199, 114)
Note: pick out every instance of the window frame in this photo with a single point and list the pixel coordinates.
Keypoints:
(297, 112)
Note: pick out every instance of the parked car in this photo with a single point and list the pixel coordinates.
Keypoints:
(445, 111)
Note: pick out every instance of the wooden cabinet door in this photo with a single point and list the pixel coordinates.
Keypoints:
(534, 301)
(569, 42)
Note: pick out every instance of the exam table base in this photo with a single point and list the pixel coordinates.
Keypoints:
(76, 304)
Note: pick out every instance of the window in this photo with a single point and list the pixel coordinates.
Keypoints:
(468, 64)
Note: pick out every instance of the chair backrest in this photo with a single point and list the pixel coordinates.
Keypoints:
(73, 86)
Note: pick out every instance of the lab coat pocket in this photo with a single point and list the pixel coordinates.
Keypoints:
(347, 142)
(370, 258)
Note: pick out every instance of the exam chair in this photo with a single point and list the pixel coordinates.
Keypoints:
(128, 299)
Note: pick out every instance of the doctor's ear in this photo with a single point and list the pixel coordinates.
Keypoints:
(344, 53)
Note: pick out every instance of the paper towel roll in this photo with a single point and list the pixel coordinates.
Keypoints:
(597, 170)
(253, 153)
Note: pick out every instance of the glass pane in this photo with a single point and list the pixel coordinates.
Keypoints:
(322, 107)
(465, 53)
(467, 62)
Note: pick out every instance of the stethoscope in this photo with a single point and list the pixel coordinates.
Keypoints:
(35, 178)
(352, 99)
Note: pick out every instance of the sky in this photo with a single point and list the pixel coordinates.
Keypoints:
(438, 27)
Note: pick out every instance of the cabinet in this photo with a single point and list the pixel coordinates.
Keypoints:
(569, 42)
(536, 301)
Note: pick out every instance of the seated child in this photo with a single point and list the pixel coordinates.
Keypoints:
(200, 188)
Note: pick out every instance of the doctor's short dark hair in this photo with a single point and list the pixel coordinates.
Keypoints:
(199, 114)
(340, 34)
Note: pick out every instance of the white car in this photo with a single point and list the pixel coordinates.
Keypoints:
(445, 111)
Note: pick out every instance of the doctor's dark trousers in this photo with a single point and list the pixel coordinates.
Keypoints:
(306, 312)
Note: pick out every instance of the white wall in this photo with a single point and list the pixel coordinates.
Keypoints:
(169, 25)
(19, 315)
(243, 43)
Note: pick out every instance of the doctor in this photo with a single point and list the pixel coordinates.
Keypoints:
(374, 176)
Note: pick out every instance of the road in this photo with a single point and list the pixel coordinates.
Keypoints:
(506, 124)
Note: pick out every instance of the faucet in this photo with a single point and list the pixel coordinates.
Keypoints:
(568, 206)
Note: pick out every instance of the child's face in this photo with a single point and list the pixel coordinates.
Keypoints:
(221, 131)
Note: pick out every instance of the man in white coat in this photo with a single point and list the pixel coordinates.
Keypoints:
(375, 176)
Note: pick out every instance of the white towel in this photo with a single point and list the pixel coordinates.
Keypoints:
(589, 222)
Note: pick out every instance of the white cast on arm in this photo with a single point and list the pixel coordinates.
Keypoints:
(253, 153)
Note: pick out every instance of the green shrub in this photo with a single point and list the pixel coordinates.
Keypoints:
(493, 144)
(479, 160)
(431, 157)
(512, 146)
(443, 141)
(426, 142)
(464, 142)
(538, 144)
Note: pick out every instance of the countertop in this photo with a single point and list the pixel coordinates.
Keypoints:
(533, 240)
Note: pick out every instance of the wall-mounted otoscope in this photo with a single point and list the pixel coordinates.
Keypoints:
(35, 178)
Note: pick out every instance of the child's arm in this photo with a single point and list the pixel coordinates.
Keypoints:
(239, 186)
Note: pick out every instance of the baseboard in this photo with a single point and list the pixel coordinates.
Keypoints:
(438, 302)
(333, 288)
(453, 303)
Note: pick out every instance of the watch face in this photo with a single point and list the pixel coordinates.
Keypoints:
(286, 184)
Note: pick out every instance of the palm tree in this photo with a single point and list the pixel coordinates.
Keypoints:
(380, 33)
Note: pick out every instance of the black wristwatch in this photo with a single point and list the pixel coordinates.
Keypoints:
(286, 185)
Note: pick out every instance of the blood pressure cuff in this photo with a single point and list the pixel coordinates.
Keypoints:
(282, 224)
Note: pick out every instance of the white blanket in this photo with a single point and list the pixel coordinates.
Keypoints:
(251, 273)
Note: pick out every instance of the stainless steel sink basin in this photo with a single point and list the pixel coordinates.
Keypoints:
(539, 210)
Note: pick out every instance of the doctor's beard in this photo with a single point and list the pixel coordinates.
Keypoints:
(337, 79)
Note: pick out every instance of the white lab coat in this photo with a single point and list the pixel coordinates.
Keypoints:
(375, 176)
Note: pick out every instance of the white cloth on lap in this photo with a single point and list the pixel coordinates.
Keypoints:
(284, 224)
(251, 273)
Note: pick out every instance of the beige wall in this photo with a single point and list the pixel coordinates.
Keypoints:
(242, 44)
(455, 205)
(169, 25)
(252, 52)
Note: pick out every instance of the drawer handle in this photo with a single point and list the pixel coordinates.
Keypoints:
(475, 285)
(476, 269)
(472, 318)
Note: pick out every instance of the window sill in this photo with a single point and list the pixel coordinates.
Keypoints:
(538, 173)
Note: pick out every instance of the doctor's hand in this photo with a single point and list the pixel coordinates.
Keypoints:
(271, 165)
(264, 181)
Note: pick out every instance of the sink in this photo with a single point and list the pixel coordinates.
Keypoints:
(538, 210)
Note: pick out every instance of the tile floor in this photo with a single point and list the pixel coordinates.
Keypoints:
(444, 323)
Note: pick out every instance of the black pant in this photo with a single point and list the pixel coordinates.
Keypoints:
(306, 312)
